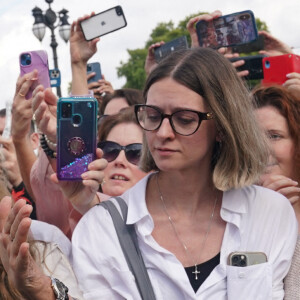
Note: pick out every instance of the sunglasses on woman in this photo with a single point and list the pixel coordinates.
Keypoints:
(111, 151)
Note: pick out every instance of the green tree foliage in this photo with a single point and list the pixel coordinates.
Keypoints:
(133, 69)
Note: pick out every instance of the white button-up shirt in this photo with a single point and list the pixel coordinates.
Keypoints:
(257, 219)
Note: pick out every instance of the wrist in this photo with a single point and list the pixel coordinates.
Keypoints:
(41, 292)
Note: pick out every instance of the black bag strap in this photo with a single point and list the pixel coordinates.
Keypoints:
(129, 244)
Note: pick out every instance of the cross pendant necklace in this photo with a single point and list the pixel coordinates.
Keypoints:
(187, 252)
(196, 272)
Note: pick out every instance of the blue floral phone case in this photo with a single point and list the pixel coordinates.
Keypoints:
(76, 136)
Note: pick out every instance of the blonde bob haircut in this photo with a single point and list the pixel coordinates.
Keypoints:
(241, 155)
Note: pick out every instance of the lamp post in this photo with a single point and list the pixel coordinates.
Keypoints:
(49, 19)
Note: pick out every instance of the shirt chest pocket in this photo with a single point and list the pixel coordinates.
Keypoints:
(249, 283)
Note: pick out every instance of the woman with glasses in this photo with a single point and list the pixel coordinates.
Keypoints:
(121, 140)
(199, 206)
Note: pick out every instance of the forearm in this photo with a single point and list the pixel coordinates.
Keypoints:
(79, 79)
(26, 159)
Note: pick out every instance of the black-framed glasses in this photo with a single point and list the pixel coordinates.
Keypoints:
(184, 122)
(111, 151)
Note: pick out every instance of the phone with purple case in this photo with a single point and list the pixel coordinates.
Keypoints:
(32, 60)
(76, 136)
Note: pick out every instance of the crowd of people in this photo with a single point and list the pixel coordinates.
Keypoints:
(208, 170)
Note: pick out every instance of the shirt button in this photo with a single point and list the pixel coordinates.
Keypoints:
(241, 275)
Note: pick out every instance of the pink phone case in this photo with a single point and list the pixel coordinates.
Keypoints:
(38, 60)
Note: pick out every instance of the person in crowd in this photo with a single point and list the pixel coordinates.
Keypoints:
(122, 171)
(121, 98)
(278, 113)
(200, 205)
(19, 151)
(52, 207)
(51, 256)
(100, 88)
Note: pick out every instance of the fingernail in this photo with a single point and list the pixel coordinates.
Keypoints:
(288, 75)
(84, 176)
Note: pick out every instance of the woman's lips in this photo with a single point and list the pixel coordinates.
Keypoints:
(165, 151)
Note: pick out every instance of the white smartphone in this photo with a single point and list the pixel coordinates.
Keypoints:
(103, 23)
(244, 259)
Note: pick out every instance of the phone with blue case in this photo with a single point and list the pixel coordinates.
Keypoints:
(94, 67)
(227, 31)
(76, 136)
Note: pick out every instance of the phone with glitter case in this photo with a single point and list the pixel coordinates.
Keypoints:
(38, 60)
(76, 136)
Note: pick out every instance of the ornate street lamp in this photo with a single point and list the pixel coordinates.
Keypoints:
(49, 19)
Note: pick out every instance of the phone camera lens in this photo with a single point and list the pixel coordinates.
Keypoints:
(66, 110)
(267, 64)
(89, 68)
(119, 11)
(76, 120)
(243, 263)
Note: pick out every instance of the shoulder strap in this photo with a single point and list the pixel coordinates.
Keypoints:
(129, 244)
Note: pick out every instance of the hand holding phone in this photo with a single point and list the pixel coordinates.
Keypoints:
(103, 23)
(227, 31)
(31, 60)
(76, 136)
(253, 64)
(276, 68)
(169, 47)
(94, 68)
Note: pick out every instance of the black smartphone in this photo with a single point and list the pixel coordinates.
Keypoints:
(254, 64)
(169, 47)
(103, 23)
(96, 68)
(227, 31)
(256, 45)
(76, 136)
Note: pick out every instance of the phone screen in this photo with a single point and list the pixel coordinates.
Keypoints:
(235, 29)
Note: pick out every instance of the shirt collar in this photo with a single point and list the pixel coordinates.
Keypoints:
(137, 208)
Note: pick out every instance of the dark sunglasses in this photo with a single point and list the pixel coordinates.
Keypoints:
(111, 151)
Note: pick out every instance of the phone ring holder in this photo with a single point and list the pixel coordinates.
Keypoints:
(76, 146)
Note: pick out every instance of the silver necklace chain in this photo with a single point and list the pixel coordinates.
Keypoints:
(187, 252)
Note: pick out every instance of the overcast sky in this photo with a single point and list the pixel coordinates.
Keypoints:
(16, 20)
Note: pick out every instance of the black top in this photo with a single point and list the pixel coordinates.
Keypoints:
(204, 268)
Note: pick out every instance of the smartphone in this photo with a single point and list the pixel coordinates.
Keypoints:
(276, 68)
(94, 67)
(169, 47)
(244, 259)
(254, 46)
(103, 23)
(31, 60)
(253, 64)
(76, 136)
(227, 31)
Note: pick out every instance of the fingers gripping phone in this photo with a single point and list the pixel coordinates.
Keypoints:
(169, 47)
(103, 23)
(244, 259)
(76, 136)
(94, 67)
(35, 60)
(253, 64)
(227, 31)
